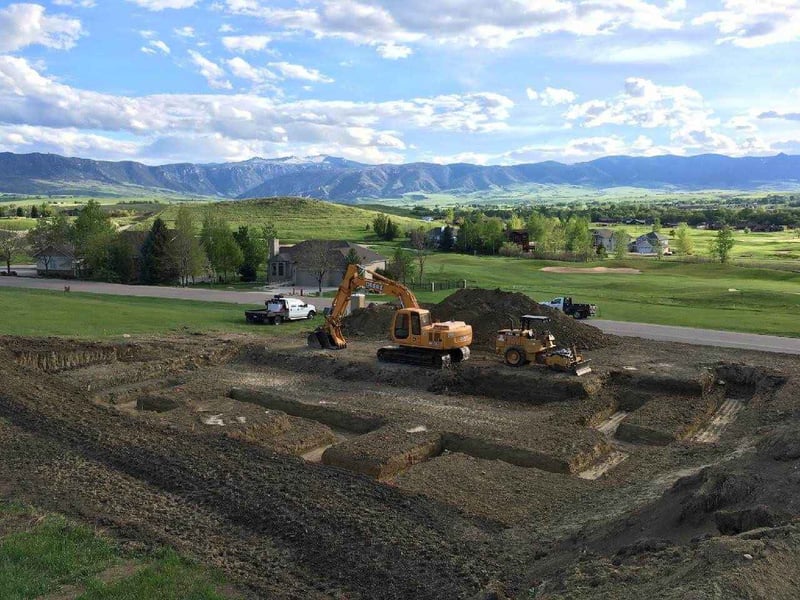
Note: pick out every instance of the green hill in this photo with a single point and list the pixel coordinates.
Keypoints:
(296, 219)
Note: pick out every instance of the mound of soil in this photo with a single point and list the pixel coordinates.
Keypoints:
(372, 322)
(487, 311)
(490, 310)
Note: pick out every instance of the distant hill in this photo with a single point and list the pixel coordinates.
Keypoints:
(295, 219)
(342, 180)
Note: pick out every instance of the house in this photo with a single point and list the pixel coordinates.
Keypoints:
(604, 237)
(649, 243)
(300, 265)
(521, 238)
(57, 261)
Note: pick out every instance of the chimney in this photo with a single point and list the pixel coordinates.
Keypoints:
(274, 246)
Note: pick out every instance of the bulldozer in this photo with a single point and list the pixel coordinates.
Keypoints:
(523, 345)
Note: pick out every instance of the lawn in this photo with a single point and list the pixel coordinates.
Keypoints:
(762, 246)
(711, 296)
(44, 553)
(44, 312)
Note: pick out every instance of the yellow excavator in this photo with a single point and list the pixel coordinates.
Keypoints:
(418, 340)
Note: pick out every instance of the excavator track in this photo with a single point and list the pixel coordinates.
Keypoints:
(423, 357)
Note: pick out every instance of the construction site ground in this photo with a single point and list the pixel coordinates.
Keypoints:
(671, 471)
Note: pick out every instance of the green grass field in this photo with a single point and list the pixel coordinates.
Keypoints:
(771, 246)
(44, 312)
(46, 554)
(296, 219)
(711, 296)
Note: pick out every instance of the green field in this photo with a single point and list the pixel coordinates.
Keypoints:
(46, 554)
(296, 219)
(710, 296)
(44, 312)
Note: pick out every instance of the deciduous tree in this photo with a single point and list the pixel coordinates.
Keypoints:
(722, 244)
(11, 243)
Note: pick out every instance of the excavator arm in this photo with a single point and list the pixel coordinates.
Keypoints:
(356, 277)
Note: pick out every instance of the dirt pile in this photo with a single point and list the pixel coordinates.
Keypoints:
(490, 310)
(371, 322)
(487, 311)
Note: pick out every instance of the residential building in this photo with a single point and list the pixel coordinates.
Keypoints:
(300, 264)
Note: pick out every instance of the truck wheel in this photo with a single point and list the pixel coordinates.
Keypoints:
(277, 320)
(311, 314)
(515, 357)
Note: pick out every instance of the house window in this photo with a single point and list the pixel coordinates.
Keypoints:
(274, 269)
(280, 270)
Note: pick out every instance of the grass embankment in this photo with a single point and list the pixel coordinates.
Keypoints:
(709, 296)
(50, 556)
(45, 312)
(296, 219)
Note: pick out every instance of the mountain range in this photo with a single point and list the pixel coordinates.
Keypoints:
(342, 180)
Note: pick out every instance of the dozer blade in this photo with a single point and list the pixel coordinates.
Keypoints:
(582, 369)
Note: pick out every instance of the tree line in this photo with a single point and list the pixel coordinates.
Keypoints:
(162, 255)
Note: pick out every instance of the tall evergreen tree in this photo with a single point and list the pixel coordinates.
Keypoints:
(158, 262)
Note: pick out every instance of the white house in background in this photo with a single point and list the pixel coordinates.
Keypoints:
(649, 243)
(604, 237)
(57, 261)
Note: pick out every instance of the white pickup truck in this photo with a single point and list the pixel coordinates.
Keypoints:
(280, 309)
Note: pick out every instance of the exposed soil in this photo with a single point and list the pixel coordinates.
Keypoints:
(670, 471)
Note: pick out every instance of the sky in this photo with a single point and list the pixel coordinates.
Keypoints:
(389, 81)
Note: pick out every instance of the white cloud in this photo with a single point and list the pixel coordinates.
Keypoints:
(185, 32)
(551, 96)
(23, 25)
(226, 28)
(213, 126)
(158, 5)
(80, 3)
(392, 51)
(69, 142)
(662, 53)
(214, 74)
(483, 23)
(147, 50)
(246, 43)
(292, 71)
(160, 45)
(243, 70)
(751, 24)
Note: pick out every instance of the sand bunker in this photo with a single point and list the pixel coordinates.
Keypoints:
(592, 270)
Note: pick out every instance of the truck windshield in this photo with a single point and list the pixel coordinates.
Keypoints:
(424, 319)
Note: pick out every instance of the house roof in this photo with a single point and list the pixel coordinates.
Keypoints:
(339, 247)
(53, 250)
(604, 233)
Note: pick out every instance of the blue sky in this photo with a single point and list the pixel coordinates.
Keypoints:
(490, 82)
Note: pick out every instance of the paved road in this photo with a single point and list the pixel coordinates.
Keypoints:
(702, 337)
(666, 333)
(254, 298)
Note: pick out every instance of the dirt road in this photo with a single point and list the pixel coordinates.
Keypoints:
(686, 335)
